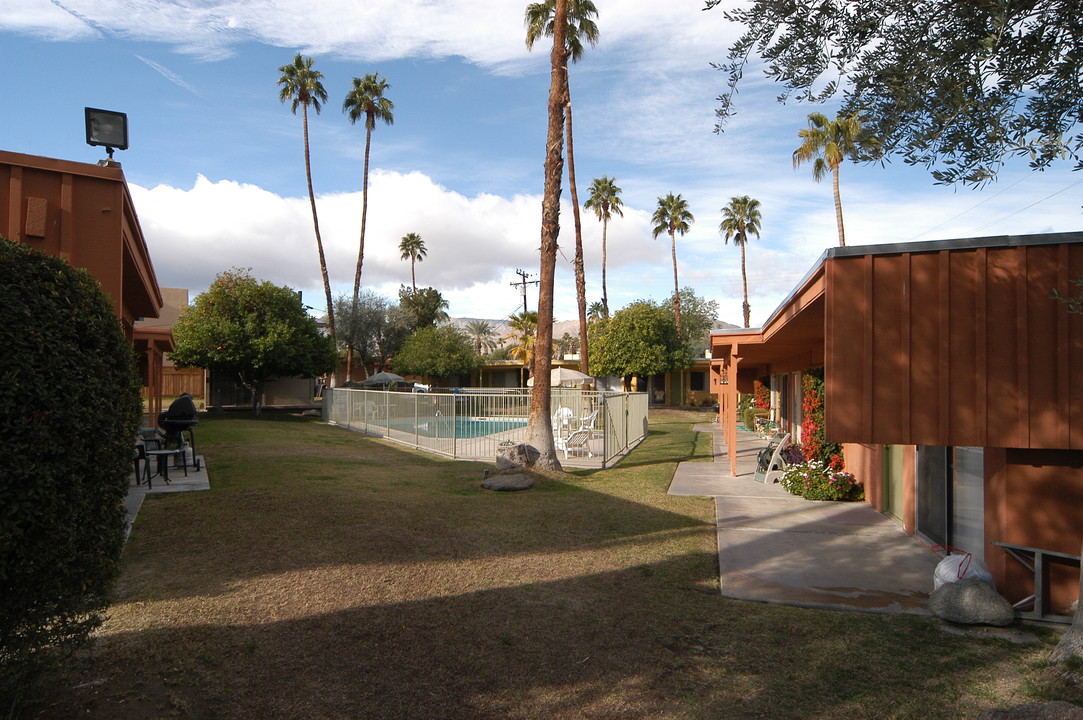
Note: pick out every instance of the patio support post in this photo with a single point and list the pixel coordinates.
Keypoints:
(730, 392)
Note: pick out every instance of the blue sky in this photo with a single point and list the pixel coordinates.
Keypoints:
(216, 162)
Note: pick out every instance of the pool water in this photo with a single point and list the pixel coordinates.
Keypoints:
(467, 427)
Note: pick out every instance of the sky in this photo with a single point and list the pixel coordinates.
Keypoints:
(216, 163)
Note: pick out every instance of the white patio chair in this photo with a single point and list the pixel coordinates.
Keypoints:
(587, 422)
(578, 440)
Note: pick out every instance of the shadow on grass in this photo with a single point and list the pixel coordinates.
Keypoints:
(648, 641)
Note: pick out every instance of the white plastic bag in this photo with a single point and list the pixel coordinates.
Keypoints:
(962, 566)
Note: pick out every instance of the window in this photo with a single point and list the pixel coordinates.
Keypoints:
(697, 380)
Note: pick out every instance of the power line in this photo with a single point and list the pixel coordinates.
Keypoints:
(973, 207)
(1028, 207)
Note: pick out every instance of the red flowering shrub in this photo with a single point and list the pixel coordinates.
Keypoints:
(761, 394)
(812, 422)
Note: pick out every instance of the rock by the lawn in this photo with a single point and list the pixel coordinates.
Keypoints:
(516, 457)
(508, 482)
(971, 602)
(1057, 710)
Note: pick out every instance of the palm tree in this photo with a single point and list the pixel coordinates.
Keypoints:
(481, 334)
(413, 249)
(604, 199)
(672, 217)
(540, 19)
(540, 426)
(596, 311)
(740, 219)
(366, 100)
(524, 328)
(828, 143)
(302, 85)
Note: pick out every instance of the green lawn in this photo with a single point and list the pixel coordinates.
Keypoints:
(331, 575)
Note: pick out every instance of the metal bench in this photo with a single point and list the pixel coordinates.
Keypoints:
(1036, 560)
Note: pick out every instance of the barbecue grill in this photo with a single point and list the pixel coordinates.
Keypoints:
(180, 418)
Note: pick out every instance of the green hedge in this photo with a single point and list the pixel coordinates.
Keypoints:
(69, 404)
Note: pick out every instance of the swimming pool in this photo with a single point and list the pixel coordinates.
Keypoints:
(465, 427)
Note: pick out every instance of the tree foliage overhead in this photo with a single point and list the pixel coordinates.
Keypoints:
(69, 404)
(254, 330)
(956, 87)
(437, 352)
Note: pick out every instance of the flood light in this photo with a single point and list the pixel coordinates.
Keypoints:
(107, 128)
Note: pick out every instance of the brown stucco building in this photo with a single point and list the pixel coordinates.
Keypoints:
(84, 214)
(954, 382)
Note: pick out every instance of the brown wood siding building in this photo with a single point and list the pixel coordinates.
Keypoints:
(959, 346)
(942, 354)
(84, 214)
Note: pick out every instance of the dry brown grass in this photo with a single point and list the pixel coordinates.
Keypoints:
(330, 575)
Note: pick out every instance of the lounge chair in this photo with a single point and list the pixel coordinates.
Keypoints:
(770, 465)
(578, 440)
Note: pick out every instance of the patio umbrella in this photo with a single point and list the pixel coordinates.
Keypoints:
(382, 378)
(564, 376)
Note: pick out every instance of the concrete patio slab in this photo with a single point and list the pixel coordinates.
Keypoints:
(196, 480)
(778, 548)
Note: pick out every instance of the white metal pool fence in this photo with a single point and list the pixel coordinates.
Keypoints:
(477, 422)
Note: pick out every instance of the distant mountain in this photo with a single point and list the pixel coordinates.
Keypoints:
(501, 329)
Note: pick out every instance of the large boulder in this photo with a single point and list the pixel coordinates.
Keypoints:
(515, 458)
(971, 602)
(1056, 710)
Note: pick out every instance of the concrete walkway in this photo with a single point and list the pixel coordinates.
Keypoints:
(779, 548)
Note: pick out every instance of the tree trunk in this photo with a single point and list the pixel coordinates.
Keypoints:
(316, 226)
(1071, 643)
(838, 206)
(676, 287)
(540, 428)
(364, 217)
(605, 298)
(580, 276)
(744, 283)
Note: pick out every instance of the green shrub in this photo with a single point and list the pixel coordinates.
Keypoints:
(69, 403)
(815, 481)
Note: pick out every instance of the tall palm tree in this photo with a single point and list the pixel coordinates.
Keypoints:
(301, 85)
(413, 249)
(827, 143)
(740, 219)
(540, 20)
(540, 426)
(366, 100)
(672, 217)
(604, 200)
(481, 334)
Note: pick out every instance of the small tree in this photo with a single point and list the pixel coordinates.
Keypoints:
(640, 339)
(375, 326)
(426, 305)
(255, 331)
(437, 352)
(69, 404)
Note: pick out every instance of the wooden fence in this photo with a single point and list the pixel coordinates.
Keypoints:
(177, 381)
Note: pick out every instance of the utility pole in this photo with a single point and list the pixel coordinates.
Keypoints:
(523, 282)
